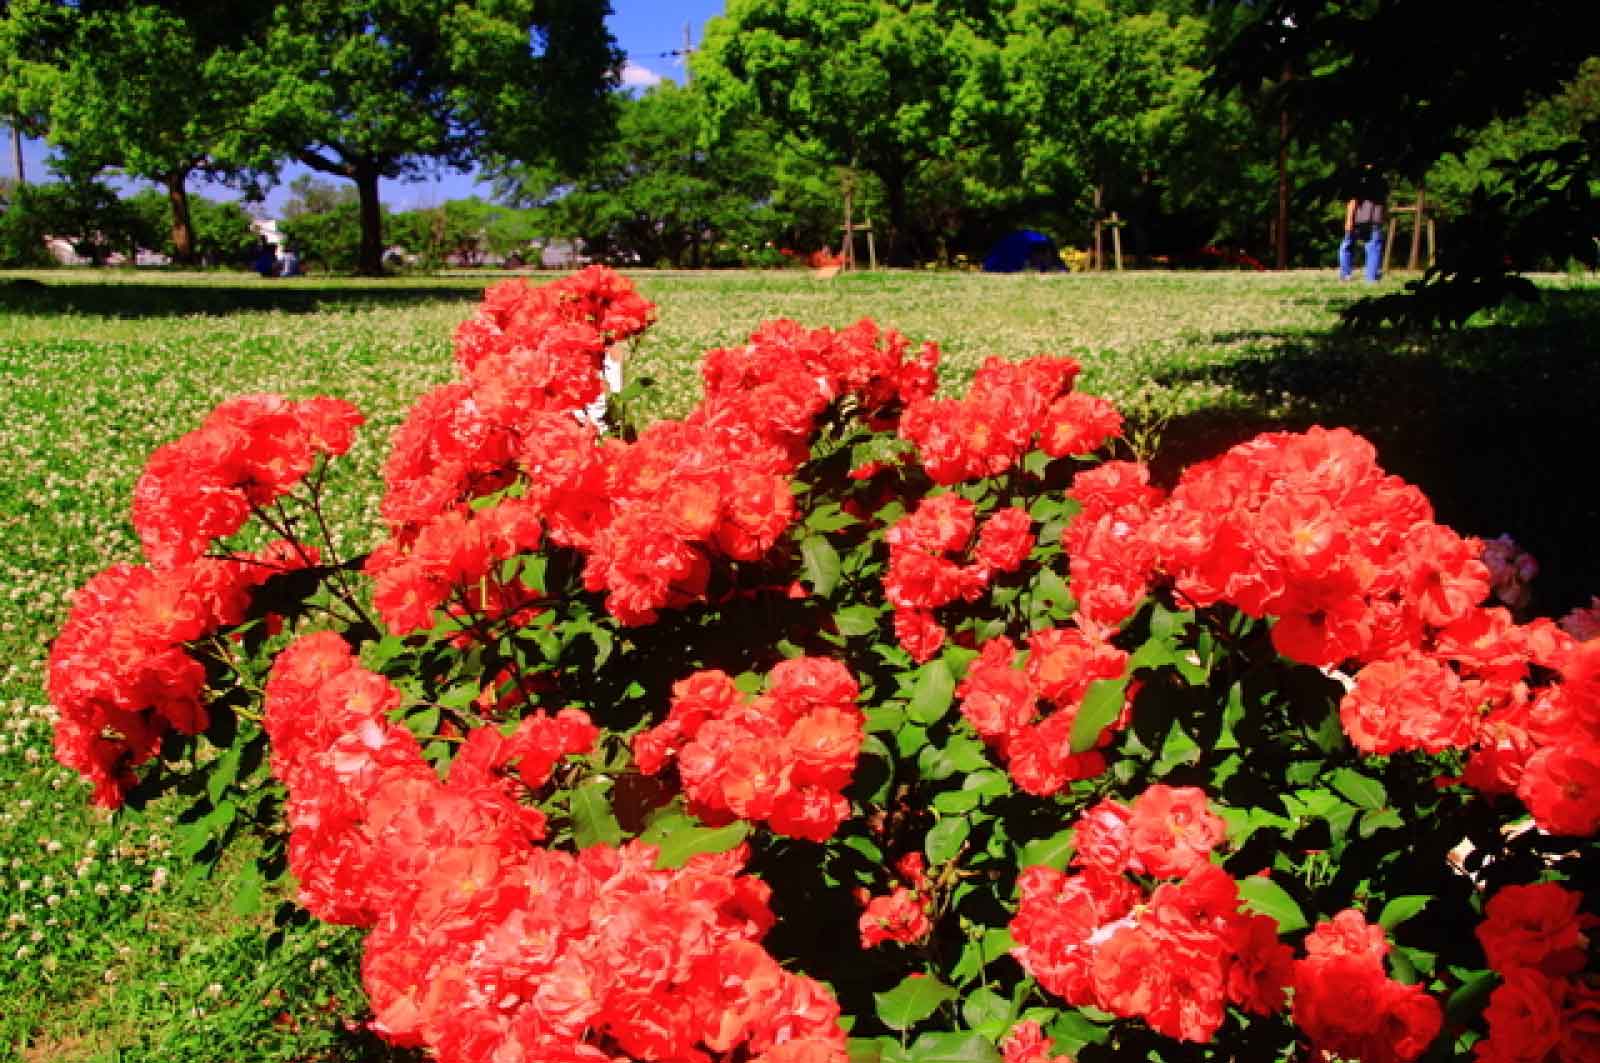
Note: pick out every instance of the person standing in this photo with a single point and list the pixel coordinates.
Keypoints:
(1363, 223)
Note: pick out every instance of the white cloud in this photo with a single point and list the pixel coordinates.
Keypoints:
(635, 76)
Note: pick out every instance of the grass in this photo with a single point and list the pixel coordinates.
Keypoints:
(108, 950)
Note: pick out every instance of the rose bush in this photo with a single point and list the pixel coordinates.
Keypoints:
(839, 720)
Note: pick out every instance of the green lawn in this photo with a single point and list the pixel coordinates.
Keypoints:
(107, 951)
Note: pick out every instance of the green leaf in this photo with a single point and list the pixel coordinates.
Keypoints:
(592, 821)
(955, 802)
(884, 719)
(1379, 819)
(912, 741)
(1155, 653)
(855, 620)
(423, 722)
(986, 1006)
(873, 1050)
(680, 844)
(1165, 623)
(821, 564)
(221, 773)
(958, 754)
(829, 517)
(913, 1000)
(1265, 897)
(1101, 705)
(1051, 594)
(866, 847)
(1400, 909)
(1073, 1029)
(1467, 1001)
(247, 893)
(953, 1048)
(988, 782)
(1053, 851)
(934, 692)
(1363, 791)
(944, 841)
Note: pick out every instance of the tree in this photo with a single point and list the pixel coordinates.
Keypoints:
(222, 230)
(308, 194)
(371, 89)
(152, 90)
(465, 230)
(1101, 94)
(1376, 75)
(331, 238)
(662, 192)
(27, 72)
(884, 85)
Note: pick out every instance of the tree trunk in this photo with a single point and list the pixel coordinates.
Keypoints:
(898, 252)
(182, 225)
(16, 154)
(1099, 262)
(1283, 180)
(370, 261)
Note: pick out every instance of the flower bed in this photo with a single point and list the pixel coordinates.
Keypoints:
(836, 718)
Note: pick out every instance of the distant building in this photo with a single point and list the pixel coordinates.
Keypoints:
(562, 254)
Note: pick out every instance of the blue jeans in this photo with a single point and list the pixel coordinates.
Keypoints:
(1347, 249)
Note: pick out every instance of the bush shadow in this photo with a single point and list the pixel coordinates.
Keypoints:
(145, 298)
(1493, 422)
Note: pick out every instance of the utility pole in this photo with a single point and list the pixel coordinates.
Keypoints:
(688, 50)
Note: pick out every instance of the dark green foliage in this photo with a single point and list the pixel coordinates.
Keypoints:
(661, 194)
(24, 225)
(402, 88)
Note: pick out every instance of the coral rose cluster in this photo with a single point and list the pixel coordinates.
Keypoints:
(934, 561)
(124, 671)
(249, 452)
(653, 517)
(486, 946)
(782, 758)
(1027, 714)
(1175, 957)
(1349, 1007)
(1010, 408)
(1546, 1008)
(1347, 561)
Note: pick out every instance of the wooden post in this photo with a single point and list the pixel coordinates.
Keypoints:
(1433, 243)
(1116, 239)
(1416, 228)
(1388, 244)
(848, 252)
(872, 247)
(1099, 245)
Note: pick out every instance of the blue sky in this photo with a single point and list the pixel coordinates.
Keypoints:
(647, 30)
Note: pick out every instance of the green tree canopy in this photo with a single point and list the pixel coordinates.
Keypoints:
(1103, 95)
(885, 85)
(154, 91)
(661, 192)
(371, 89)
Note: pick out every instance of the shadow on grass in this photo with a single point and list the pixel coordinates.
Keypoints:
(1495, 423)
(227, 295)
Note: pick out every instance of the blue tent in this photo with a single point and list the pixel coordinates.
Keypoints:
(1023, 249)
